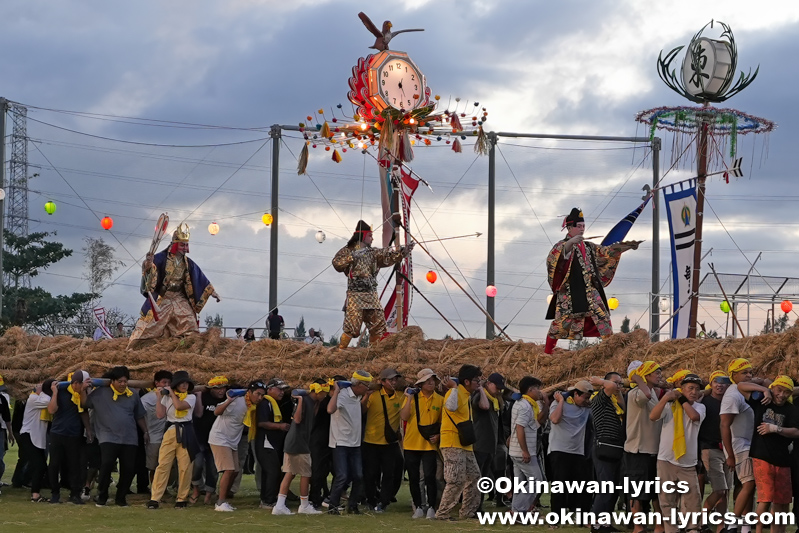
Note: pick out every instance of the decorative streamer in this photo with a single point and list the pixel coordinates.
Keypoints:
(302, 163)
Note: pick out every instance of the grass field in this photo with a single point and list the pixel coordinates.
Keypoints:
(17, 513)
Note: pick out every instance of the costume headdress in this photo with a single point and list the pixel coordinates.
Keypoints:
(573, 218)
(361, 229)
(181, 234)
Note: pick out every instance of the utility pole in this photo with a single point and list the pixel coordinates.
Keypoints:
(654, 312)
(492, 186)
(275, 133)
(3, 110)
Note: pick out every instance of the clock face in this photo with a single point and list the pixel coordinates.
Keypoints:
(397, 83)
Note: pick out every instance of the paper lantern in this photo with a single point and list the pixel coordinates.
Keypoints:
(2, 194)
(613, 303)
(267, 219)
(320, 236)
(786, 306)
(491, 291)
(432, 276)
(107, 223)
(664, 305)
(725, 307)
(49, 207)
(711, 76)
(213, 228)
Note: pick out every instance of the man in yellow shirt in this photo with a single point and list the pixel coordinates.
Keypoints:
(382, 457)
(457, 436)
(422, 409)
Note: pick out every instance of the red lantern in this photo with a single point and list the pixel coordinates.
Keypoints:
(786, 306)
(107, 223)
(432, 277)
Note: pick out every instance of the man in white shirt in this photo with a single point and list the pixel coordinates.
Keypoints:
(231, 417)
(33, 437)
(346, 408)
(527, 415)
(313, 337)
(681, 414)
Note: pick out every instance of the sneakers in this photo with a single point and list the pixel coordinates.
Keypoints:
(308, 509)
(76, 500)
(121, 502)
(334, 511)
(281, 510)
(55, 498)
(100, 502)
(223, 507)
(379, 508)
(431, 514)
(86, 494)
(418, 513)
(326, 503)
(267, 506)
(181, 505)
(152, 504)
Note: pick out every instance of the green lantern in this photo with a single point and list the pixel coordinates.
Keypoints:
(725, 306)
(49, 207)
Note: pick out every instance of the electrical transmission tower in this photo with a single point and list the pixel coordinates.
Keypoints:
(17, 189)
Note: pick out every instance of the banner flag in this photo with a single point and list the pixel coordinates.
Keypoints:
(99, 316)
(620, 230)
(680, 201)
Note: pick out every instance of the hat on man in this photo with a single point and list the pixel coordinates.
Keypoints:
(388, 373)
(180, 377)
(276, 382)
(692, 378)
(575, 216)
(218, 382)
(497, 379)
(583, 386)
(78, 376)
(425, 374)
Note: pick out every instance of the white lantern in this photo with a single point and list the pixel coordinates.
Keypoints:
(213, 228)
(710, 74)
(320, 236)
(2, 194)
(664, 305)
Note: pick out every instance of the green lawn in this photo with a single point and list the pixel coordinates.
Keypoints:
(17, 513)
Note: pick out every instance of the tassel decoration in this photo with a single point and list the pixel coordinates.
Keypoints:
(405, 151)
(302, 163)
(456, 146)
(387, 135)
(481, 146)
(455, 122)
(325, 130)
(336, 156)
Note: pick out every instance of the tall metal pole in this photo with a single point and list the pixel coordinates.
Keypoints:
(492, 160)
(701, 172)
(654, 313)
(275, 133)
(3, 110)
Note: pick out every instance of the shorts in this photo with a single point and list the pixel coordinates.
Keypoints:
(151, 455)
(226, 459)
(773, 482)
(640, 467)
(743, 467)
(718, 473)
(298, 464)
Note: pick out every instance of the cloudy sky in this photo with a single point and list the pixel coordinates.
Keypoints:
(569, 67)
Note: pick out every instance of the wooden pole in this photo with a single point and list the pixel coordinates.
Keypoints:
(701, 172)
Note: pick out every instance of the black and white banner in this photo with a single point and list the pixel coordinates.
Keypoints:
(681, 209)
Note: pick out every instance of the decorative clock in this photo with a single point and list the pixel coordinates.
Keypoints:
(395, 81)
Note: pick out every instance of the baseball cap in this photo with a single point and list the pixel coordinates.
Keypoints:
(583, 386)
(497, 379)
(389, 373)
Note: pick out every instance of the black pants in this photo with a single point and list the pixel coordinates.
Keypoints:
(36, 462)
(110, 453)
(427, 460)
(142, 474)
(321, 467)
(570, 467)
(65, 452)
(22, 474)
(382, 472)
(485, 462)
(270, 462)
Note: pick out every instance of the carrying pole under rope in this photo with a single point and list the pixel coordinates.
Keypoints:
(431, 304)
(458, 284)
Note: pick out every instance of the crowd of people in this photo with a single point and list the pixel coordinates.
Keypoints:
(730, 430)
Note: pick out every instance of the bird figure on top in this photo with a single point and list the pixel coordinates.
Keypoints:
(384, 36)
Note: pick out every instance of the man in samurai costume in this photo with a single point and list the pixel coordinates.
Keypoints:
(360, 262)
(178, 288)
(578, 271)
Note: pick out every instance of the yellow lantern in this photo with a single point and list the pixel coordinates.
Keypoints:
(267, 219)
(213, 228)
(613, 303)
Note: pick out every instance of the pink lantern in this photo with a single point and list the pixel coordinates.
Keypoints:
(491, 291)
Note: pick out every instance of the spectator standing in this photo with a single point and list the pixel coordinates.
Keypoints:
(321, 454)
(6, 435)
(232, 416)
(239, 336)
(269, 439)
(718, 472)
(641, 447)
(116, 413)
(155, 425)
(275, 324)
(204, 473)
(66, 434)
(33, 436)
(297, 459)
(457, 438)
(382, 457)
(737, 427)
(570, 461)
(313, 337)
(346, 408)
(119, 331)
(421, 411)
(249, 335)
(179, 441)
(607, 417)
(776, 424)
(527, 416)
(486, 406)
(681, 415)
